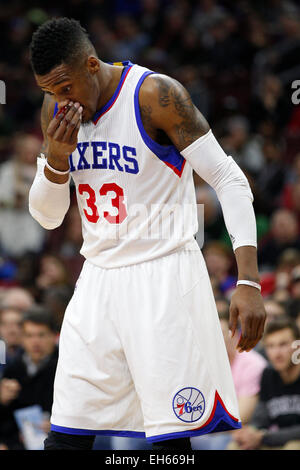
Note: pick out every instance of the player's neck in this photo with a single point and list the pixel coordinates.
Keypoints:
(109, 78)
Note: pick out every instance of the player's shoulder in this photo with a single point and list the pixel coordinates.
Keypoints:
(159, 88)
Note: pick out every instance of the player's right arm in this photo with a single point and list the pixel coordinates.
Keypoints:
(49, 196)
(167, 106)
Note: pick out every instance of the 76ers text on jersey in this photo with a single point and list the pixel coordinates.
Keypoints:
(101, 155)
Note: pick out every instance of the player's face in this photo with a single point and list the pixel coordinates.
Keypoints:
(78, 85)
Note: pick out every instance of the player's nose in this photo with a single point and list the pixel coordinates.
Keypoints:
(62, 103)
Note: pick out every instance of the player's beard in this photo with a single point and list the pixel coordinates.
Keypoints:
(86, 123)
(87, 120)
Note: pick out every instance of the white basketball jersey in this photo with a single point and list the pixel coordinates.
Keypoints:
(136, 197)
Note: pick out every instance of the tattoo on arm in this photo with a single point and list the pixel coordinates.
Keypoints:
(189, 123)
(163, 93)
(146, 111)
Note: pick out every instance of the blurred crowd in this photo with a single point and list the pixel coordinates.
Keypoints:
(238, 59)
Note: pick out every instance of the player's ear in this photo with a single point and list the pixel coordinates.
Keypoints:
(93, 64)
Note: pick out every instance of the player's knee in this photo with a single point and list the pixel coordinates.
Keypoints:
(61, 441)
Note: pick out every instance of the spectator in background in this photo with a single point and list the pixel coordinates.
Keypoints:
(276, 421)
(224, 53)
(18, 231)
(17, 297)
(294, 200)
(241, 145)
(237, 60)
(190, 77)
(271, 177)
(11, 333)
(218, 258)
(28, 379)
(287, 261)
(174, 22)
(206, 13)
(297, 319)
(246, 368)
(283, 234)
(274, 310)
(293, 303)
(28, 266)
(150, 18)
(295, 283)
(130, 39)
(270, 104)
(72, 239)
(289, 193)
(66, 242)
(222, 305)
(103, 37)
(210, 219)
(277, 282)
(52, 273)
(55, 300)
(71, 244)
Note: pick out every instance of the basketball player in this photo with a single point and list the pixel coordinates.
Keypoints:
(141, 350)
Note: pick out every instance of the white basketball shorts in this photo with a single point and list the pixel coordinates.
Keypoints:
(141, 353)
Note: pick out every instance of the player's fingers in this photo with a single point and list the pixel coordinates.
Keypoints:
(54, 124)
(233, 319)
(63, 110)
(258, 323)
(245, 333)
(57, 119)
(249, 333)
(58, 124)
(76, 130)
(71, 112)
(65, 122)
(72, 127)
(259, 331)
(67, 117)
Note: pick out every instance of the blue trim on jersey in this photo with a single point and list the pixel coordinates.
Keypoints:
(114, 96)
(124, 62)
(91, 432)
(55, 109)
(168, 154)
(220, 422)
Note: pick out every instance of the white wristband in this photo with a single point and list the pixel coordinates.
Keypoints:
(249, 283)
(58, 172)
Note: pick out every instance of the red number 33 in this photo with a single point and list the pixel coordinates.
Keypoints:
(92, 214)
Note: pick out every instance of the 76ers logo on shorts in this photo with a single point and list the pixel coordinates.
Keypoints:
(189, 404)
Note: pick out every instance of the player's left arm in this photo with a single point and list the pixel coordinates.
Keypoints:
(166, 105)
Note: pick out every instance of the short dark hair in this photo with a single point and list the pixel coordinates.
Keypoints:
(57, 41)
(40, 316)
(281, 323)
